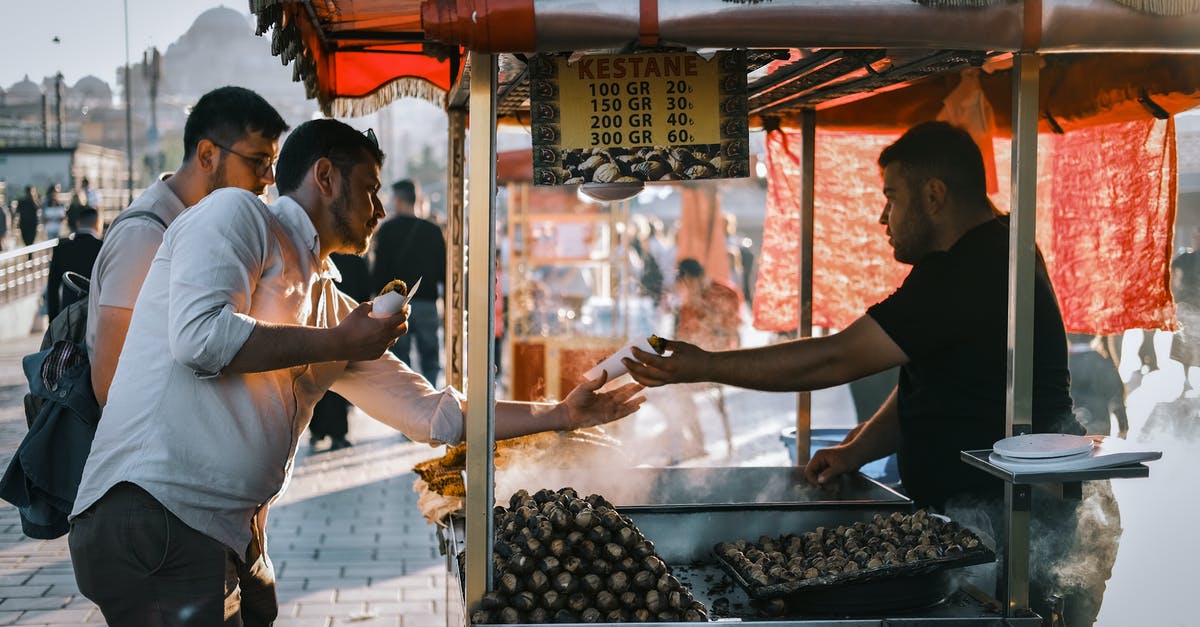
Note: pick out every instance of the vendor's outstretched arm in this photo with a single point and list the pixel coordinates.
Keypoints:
(861, 349)
(874, 439)
(583, 407)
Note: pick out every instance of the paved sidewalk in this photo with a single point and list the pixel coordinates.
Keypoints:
(348, 542)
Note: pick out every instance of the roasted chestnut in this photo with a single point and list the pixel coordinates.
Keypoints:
(578, 602)
(510, 616)
(523, 601)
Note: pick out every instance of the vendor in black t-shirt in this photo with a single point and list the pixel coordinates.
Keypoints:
(946, 327)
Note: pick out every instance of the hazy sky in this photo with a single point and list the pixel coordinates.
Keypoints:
(91, 33)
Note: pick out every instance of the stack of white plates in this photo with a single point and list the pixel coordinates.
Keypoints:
(1058, 452)
(1050, 447)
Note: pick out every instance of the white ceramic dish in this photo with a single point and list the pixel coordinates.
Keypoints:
(1043, 446)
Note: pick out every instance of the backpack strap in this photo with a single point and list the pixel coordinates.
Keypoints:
(140, 214)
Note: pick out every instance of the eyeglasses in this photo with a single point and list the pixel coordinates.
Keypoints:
(370, 133)
(262, 165)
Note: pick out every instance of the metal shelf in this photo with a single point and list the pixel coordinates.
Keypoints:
(979, 459)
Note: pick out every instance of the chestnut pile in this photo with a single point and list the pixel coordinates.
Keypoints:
(633, 165)
(564, 559)
(828, 554)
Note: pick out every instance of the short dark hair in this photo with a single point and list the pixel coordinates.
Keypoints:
(88, 217)
(690, 268)
(405, 190)
(227, 114)
(943, 151)
(337, 141)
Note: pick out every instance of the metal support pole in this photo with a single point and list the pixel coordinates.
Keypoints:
(1022, 247)
(480, 427)
(128, 112)
(1014, 582)
(456, 228)
(60, 108)
(808, 174)
(1022, 259)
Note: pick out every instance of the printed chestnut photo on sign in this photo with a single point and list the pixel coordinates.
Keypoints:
(638, 118)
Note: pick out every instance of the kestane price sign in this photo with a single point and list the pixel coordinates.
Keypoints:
(639, 117)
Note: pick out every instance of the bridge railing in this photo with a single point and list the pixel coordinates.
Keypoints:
(24, 271)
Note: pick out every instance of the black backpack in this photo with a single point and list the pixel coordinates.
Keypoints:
(62, 413)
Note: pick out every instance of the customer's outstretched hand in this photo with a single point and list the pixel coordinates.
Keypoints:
(586, 406)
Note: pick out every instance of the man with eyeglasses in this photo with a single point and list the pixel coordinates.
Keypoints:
(238, 332)
(230, 139)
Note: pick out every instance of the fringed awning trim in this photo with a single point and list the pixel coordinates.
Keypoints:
(269, 13)
(1163, 7)
(963, 4)
(403, 87)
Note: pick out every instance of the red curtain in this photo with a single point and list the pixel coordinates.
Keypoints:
(1106, 211)
(702, 231)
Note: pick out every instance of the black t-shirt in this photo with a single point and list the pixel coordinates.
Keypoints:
(408, 248)
(951, 318)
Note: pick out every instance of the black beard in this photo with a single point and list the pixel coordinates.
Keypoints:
(341, 223)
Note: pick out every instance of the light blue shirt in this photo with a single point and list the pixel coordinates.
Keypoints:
(211, 447)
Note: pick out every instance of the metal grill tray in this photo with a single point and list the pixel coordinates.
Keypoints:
(969, 557)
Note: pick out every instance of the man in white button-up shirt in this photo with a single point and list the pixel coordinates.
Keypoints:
(236, 334)
(231, 139)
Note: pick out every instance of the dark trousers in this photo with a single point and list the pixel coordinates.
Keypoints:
(330, 417)
(143, 566)
(423, 325)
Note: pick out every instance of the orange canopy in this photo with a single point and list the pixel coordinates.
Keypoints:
(354, 57)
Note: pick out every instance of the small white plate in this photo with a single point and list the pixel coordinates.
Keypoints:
(1043, 445)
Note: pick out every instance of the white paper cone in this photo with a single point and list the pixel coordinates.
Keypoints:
(613, 364)
(387, 304)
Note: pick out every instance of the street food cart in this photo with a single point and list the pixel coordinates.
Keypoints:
(862, 64)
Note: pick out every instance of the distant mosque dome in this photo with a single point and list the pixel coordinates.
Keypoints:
(24, 91)
(91, 90)
(222, 21)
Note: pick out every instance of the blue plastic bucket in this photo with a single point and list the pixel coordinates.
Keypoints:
(883, 470)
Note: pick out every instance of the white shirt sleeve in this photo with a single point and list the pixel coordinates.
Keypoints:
(217, 253)
(389, 392)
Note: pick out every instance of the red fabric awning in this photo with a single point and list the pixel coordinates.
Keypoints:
(1106, 206)
(355, 56)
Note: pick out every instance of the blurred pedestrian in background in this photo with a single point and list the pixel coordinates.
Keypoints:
(1096, 387)
(91, 198)
(77, 205)
(3, 222)
(709, 317)
(76, 253)
(1185, 285)
(53, 211)
(28, 208)
(409, 247)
